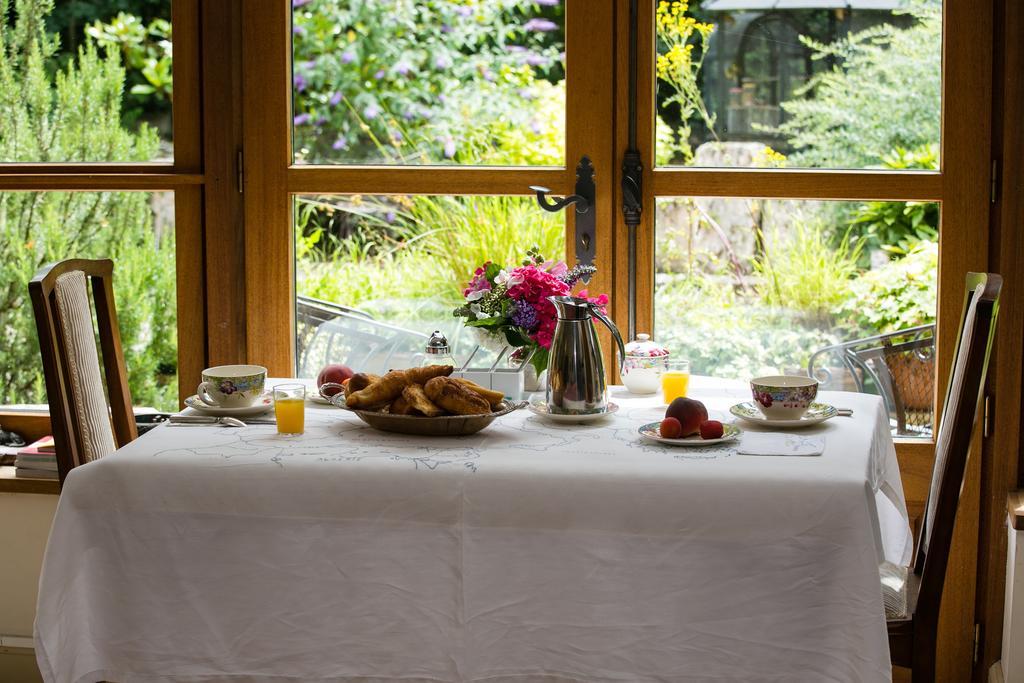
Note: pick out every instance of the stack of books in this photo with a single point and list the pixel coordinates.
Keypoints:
(38, 460)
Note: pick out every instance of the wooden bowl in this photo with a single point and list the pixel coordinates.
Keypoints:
(445, 425)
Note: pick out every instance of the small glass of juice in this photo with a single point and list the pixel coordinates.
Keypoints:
(290, 408)
(675, 381)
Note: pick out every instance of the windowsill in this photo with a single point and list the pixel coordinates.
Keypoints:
(9, 483)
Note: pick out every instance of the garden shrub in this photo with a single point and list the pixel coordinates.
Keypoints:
(884, 93)
(422, 82)
(899, 295)
(74, 115)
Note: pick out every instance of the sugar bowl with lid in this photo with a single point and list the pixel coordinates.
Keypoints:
(643, 365)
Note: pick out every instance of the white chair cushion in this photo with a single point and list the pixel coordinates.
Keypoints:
(86, 383)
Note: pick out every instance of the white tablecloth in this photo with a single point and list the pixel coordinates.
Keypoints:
(528, 552)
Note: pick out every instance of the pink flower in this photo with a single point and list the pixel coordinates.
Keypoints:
(601, 300)
(556, 268)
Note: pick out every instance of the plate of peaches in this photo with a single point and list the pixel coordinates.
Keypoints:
(686, 423)
(422, 401)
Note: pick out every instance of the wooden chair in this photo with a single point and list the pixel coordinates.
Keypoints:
(913, 630)
(85, 426)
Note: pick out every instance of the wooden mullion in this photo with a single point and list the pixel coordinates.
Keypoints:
(224, 209)
(269, 244)
(799, 184)
(589, 113)
(90, 182)
(477, 180)
(188, 195)
(1001, 462)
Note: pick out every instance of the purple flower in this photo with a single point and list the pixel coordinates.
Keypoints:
(488, 75)
(227, 387)
(524, 315)
(442, 62)
(526, 93)
(408, 115)
(515, 48)
(449, 147)
(321, 120)
(298, 30)
(402, 68)
(445, 28)
(397, 136)
(536, 127)
(302, 119)
(348, 56)
(371, 111)
(390, 216)
(300, 3)
(464, 11)
(548, 3)
(538, 24)
(340, 144)
(335, 99)
(379, 75)
(309, 63)
(535, 59)
(300, 82)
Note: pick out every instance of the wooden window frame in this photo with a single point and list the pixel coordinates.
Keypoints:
(184, 176)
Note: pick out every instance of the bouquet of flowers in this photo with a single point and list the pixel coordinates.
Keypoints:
(512, 304)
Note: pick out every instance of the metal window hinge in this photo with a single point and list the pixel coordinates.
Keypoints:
(994, 188)
(977, 641)
(986, 417)
(240, 173)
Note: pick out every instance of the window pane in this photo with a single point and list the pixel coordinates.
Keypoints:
(742, 83)
(447, 82)
(748, 287)
(136, 230)
(376, 275)
(100, 89)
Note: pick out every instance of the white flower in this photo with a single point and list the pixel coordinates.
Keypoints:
(504, 278)
(477, 295)
(475, 310)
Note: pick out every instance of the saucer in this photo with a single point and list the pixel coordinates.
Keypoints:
(540, 408)
(818, 412)
(262, 405)
(317, 398)
(652, 432)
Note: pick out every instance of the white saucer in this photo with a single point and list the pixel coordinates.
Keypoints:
(540, 408)
(262, 405)
(317, 398)
(817, 413)
(652, 431)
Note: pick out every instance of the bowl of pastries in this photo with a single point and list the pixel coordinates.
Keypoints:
(423, 401)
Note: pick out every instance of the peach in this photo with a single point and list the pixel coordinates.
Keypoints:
(690, 414)
(334, 373)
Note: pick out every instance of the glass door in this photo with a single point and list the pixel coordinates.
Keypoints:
(390, 154)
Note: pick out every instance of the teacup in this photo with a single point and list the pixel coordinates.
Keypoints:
(784, 397)
(232, 386)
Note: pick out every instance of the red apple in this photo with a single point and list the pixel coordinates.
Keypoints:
(690, 414)
(334, 373)
(670, 428)
(711, 429)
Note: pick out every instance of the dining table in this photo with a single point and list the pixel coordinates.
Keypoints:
(530, 551)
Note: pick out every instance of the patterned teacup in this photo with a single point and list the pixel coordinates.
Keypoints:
(232, 386)
(784, 397)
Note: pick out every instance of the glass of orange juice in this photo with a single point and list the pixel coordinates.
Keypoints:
(675, 381)
(290, 408)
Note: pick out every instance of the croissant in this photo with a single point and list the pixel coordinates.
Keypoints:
(416, 398)
(361, 380)
(380, 393)
(455, 398)
(425, 374)
(401, 407)
(489, 395)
